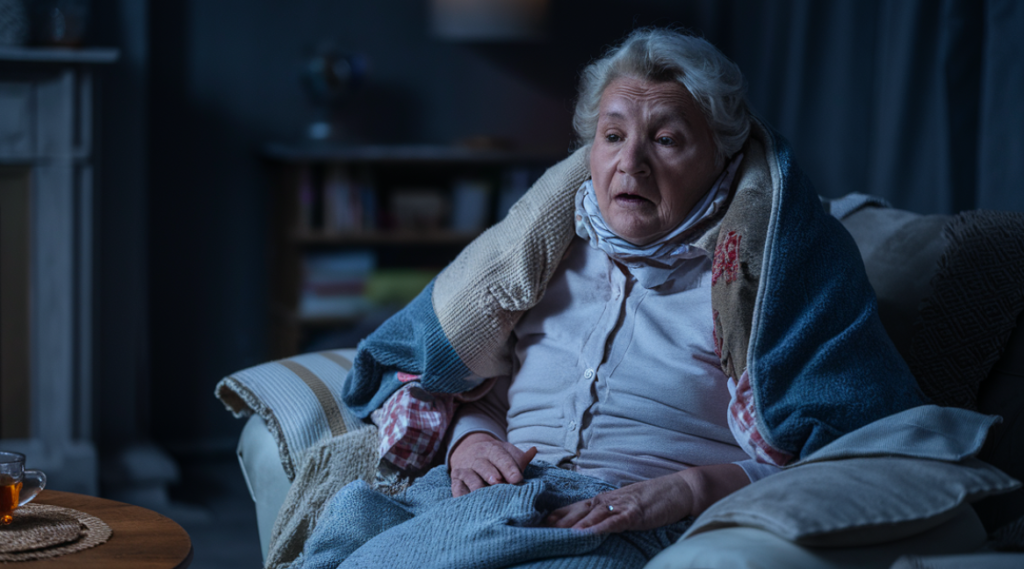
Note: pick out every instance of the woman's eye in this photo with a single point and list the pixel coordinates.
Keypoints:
(666, 140)
(613, 138)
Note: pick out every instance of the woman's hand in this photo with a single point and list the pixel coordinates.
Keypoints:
(480, 460)
(652, 503)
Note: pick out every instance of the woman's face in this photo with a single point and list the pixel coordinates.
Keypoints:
(653, 157)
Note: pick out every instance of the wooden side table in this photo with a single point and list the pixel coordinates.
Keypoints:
(142, 539)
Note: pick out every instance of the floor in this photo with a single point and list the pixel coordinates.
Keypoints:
(213, 504)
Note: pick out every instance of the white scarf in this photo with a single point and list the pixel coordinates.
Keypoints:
(651, 264)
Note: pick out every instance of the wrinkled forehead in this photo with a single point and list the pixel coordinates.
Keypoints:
(628, 97)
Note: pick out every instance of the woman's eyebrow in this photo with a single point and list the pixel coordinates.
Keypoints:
(669, 115)
(659, 117)
(613, 115)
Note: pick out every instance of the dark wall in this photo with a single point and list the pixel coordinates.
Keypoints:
(121, 325)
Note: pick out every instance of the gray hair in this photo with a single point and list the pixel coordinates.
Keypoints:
(657, 54)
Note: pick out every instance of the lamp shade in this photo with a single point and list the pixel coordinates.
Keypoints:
(489, 20)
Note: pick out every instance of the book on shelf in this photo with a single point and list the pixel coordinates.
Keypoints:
(307, 197)
(514, 184)
(346, 285)
(471, 200)
(337, 199)
(397, 287)
(343, 205)
(334, 201)
(418, 208)
(366, 193)
(334, 284)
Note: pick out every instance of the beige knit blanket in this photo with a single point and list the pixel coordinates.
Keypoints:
(327, 468)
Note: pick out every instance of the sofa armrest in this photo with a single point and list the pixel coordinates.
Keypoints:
(264, 475)
(299, 399)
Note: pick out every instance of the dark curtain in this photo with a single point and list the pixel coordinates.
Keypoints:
(918, 101)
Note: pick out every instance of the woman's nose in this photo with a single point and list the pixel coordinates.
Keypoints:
(633, 160)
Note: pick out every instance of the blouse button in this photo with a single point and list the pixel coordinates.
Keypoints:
(589, 374)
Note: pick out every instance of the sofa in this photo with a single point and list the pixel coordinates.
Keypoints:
(950, 293)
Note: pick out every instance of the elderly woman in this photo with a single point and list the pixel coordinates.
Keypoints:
(615, 369)
(665, 317)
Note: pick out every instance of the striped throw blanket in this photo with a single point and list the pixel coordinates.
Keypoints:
(299, 398)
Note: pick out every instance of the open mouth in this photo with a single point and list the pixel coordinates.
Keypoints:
(631, 199)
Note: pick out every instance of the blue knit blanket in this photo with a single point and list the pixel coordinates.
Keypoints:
(494, 527)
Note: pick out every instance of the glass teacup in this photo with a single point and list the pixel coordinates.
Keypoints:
(17, 485)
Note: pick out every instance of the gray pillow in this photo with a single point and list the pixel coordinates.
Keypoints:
(891, 479)
(856, 501)
(901, 251)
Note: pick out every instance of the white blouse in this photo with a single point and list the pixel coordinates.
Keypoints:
(614, 380)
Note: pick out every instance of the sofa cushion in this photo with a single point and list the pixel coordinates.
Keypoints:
(858, 501)
(948, 434)
(764, 550)
(846, 495)
(950, 294)
(949, 289)
(977, 295)
(1002, 393)
(900, 251)
(988, 560)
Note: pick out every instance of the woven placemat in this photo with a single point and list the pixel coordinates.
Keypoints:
(33, 529)
(40, 532)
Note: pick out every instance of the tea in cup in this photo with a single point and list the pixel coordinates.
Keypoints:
(17, 485)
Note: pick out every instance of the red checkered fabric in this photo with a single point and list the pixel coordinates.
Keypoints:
(743, 424)
(412, 424)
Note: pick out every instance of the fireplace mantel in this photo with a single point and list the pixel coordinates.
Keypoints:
(47, 156)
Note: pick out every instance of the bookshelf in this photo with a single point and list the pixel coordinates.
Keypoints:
(358, 230)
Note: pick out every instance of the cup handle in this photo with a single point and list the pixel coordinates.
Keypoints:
(31, 485)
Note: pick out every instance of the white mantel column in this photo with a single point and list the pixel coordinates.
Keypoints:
(48, 95)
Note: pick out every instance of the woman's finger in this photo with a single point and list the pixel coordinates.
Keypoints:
(459, 487)
(505, 463)
(610, 524)
(526, 458)
(552, 519)
(568, 516)
(470, 478)
(593, 517)
(488, 471)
